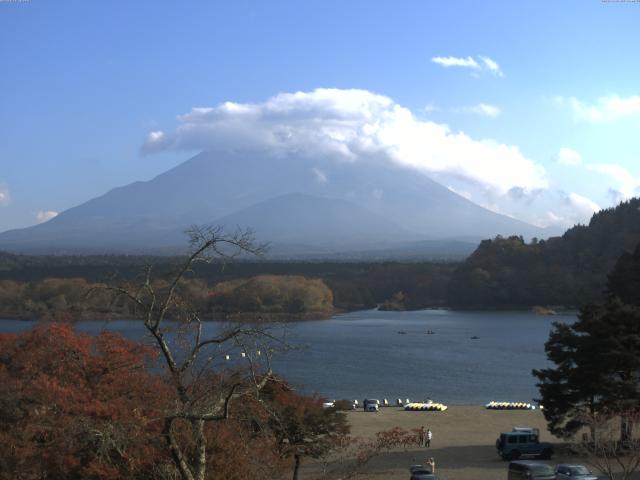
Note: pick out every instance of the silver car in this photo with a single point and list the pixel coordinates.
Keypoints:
(576, 472)
(422, 472)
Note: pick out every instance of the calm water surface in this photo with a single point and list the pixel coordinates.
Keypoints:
(361, 354)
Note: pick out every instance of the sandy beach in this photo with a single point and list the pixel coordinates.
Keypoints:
(463, 443)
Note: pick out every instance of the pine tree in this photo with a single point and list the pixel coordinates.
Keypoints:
(624, 280)
(597, 359)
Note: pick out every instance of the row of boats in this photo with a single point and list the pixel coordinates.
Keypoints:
(425, 407)
(509, 406)
(431, 332)
(428, 332)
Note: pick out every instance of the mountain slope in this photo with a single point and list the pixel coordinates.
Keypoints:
(212, 186)
(298, 218)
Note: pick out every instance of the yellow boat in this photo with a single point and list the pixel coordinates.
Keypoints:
(425, 407)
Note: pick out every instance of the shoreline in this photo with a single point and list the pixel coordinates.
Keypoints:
(251, 317)
(235, 318)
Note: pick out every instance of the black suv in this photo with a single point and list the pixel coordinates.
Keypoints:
(522, 442)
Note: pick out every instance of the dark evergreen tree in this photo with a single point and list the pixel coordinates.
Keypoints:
(597, 359)
(571, 389)
(624, 281)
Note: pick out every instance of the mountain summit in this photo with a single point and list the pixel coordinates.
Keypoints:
(307, 205)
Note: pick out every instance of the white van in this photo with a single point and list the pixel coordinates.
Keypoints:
(371, 405)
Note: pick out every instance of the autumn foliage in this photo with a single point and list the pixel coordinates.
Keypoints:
(80, 407)
(279, 297)
(76, 406)
(269, 295)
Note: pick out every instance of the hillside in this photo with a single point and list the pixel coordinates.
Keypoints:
(570, 270)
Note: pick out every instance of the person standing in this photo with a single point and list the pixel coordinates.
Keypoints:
(423, 436)
(428, 438)
(432, 464)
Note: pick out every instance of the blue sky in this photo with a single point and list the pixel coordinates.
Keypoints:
(83, 84)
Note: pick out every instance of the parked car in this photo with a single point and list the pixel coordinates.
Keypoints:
(530, 470)
(580, 472)
(522, 442)
(371, 405)
(423, 473)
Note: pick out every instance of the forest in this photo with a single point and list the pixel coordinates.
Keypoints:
(36, 287)
(265, 296)
(564, 272)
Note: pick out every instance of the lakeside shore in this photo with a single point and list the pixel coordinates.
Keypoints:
(244, 317)
(463, 443)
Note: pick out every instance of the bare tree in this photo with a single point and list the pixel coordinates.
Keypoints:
(349, 458)
(206, 382)
(611, 445)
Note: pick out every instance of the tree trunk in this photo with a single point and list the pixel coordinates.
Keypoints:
(626, 427)
(592, 423)
(201, 449)
(296, 466)
(177, 455)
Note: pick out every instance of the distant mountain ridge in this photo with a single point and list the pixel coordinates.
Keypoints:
(323, 206)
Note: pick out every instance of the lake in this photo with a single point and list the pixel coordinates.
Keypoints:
(361, 354)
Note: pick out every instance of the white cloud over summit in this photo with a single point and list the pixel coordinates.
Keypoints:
(352, 125)
(627, 185)
(492, 66)
(467, 62)
(568, 156)
(482, 64)
(583, 206)
(606, 109)
(45, 215)
(567, 210)
(483, 109)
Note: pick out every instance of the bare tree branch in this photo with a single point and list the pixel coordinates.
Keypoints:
(201, 396)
